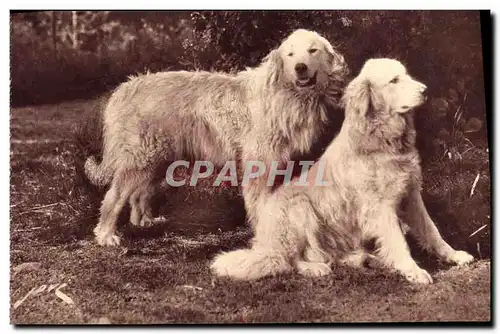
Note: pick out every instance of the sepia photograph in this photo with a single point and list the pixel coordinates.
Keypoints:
(250, 167)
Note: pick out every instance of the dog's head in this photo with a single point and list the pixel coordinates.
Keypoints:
(306, 60)
(384, 86)
(376, 105)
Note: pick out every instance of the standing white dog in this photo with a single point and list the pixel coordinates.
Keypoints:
(374, 170)
(268, 113)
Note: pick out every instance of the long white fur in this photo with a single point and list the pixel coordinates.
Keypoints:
(261, 113)
(375, 171)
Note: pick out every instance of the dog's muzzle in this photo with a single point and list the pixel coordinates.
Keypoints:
(307, 81)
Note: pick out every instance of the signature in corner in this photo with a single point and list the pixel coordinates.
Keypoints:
(44, 288)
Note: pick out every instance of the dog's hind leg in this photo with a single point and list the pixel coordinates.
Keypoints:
(145, 206)
(122, 187)
(135, 210)
(426, 232)
(392, 250)
(140, 206)
(316, 261)
(113, 202)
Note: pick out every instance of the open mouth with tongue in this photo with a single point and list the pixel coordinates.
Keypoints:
(306, 82)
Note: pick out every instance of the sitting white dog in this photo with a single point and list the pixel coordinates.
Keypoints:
(374, 170)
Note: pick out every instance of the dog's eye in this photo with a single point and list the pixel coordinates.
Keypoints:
(395, 80)
(311, 51)
(290, 54)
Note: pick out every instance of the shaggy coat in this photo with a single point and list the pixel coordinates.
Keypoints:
(374, 170)
(269, 113)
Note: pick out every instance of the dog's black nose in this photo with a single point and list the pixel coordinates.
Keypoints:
(300, 68)
(424, 91)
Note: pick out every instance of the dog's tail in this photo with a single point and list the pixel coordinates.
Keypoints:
(97, 173)
(89, 143)
(250, 264)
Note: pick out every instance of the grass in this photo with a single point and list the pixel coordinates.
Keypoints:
(160, 275)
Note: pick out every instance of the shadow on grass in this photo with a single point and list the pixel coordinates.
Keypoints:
(185, 214)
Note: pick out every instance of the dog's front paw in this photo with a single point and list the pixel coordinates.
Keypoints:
(355, 259)
(105, 238)
(460, 258)
(146, 221)
(313, 269)
(135, 216)
(418, 275)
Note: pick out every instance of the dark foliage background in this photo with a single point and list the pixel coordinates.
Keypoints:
(69, 55)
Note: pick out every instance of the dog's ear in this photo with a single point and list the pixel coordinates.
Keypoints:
(274, 64)
(335, 59)
(327, 46)
(359, 98)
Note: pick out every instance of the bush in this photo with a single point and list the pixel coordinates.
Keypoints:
(105, 55)
(114, 45)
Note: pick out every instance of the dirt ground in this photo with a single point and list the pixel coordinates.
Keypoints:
(161, 275)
